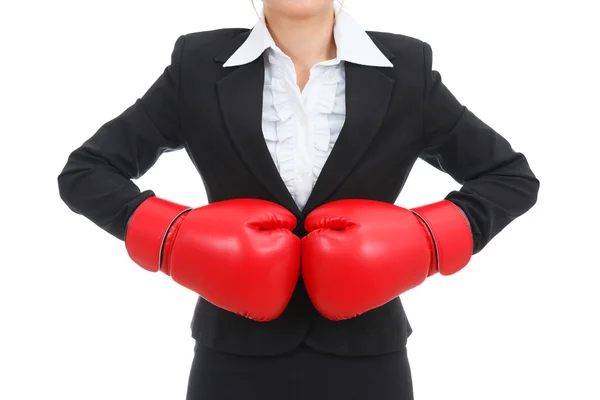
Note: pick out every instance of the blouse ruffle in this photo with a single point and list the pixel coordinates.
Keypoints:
(325, 109)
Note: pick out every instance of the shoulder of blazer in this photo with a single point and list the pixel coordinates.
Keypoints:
(214, 44)
(400, 49)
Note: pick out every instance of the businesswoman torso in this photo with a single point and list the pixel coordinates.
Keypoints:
(257, 124)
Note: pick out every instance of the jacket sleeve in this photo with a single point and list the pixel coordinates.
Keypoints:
(96, 181)
(497, 182)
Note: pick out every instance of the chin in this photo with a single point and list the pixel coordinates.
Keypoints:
(298, 8)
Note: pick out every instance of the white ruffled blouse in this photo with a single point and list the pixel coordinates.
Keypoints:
(301, 128)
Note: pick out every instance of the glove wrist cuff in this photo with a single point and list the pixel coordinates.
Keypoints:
(451, 235)
(147, 231)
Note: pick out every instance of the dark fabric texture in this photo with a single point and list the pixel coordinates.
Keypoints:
(394, 116)
(299, 375)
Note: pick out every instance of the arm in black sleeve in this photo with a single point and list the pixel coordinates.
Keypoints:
(96, 181)
(498, 184)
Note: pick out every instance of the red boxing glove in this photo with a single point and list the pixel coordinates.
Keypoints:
(240, 255)
(361, 254)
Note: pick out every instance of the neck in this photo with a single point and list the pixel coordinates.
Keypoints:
(307, 40)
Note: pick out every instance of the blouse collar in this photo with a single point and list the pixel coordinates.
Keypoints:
(353, 43)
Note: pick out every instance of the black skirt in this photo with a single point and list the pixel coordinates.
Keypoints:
(303, 374)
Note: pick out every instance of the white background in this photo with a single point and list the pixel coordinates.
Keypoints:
(81, 321)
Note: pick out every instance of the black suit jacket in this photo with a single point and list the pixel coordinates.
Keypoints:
(394, 116)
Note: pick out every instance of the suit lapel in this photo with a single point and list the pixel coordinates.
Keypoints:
(241, 99)
(368, 92)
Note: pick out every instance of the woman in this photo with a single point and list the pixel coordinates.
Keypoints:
(306, 123)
